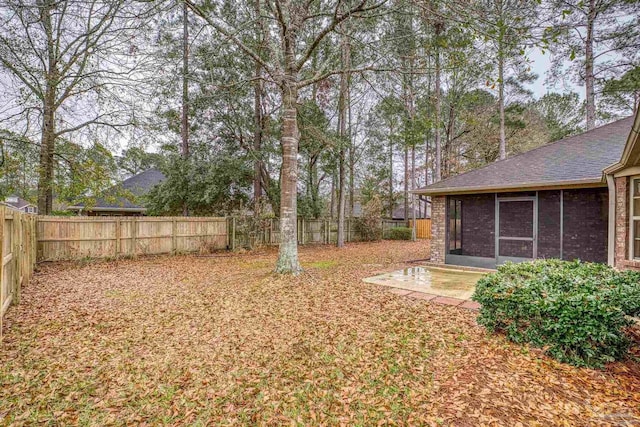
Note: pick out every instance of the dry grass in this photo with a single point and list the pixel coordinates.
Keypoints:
(223, 341)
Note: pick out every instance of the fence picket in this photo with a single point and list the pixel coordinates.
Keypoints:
(17, 256)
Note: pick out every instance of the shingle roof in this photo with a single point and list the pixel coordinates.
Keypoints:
(398, 213)
(137, 185)
(578, 159)
(20, 203)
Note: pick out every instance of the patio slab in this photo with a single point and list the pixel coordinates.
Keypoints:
(436, 281)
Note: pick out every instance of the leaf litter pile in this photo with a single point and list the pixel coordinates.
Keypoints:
(221, 340)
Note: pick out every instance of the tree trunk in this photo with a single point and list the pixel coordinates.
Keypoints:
(352, 161)
(185, 95)
(589, 79)
(413, 186)
(257, 142)
(438, 142)
(288, 254)
(341, 198)
(406, 182)
(391, 172)
(503, 138)
(48, 137)
(427, 142)
(342, 134)
(47, 149)
(257, 134)
(332, 203)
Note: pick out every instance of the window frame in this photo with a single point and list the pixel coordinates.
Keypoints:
(457, 211)
(633, 217)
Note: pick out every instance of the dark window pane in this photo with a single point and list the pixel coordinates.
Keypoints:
(636, 239)
(636, 187)
(455, 225)
(636, 207)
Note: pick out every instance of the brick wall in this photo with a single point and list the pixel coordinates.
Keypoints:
(621, 252)
(622, 221)
(438, 228)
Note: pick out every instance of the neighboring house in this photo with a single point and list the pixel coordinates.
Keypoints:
(20, 204)
(398, 213)
(577, 198)
(124, 199)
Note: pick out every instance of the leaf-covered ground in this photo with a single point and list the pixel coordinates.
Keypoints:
(222, 341)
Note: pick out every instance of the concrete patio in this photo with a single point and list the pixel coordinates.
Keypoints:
(442, 285)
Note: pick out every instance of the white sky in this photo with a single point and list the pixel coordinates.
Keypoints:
(540, 64)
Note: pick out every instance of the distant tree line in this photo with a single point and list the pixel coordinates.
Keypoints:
(287, 108)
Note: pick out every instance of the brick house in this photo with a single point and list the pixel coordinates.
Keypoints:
(576, 198)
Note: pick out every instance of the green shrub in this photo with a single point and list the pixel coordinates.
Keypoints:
(369, 226)
(399, 233)
(576, 311)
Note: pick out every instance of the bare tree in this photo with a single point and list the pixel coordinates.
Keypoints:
(184, 124)
(301, 27)
(601, 39)
(343, 108)
(64, 61)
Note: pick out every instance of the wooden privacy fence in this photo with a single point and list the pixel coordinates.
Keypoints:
(423, 228)
(310, 231)
(18, 255)
(69, 238)
(65, 238)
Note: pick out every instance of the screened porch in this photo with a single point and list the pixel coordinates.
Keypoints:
(489, 229)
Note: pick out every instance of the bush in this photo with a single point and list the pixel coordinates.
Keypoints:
(576, 311)
(368, 226)
(399, 233)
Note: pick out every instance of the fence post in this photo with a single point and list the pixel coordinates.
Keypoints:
(302, 221)
(233, 233)
(134, 235)
(118, 236)
(174, 237)
(2, 295)
(18, 262)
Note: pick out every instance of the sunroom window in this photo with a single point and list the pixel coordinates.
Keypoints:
(455, 226)
(635, 218)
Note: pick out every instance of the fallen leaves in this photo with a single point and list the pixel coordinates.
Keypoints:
(224, 341)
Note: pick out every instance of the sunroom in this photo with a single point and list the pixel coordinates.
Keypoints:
(571, 199)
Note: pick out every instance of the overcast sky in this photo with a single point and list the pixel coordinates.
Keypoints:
(541, 63)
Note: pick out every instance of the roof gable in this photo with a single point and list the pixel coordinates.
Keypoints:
(572, 161)
(137, 185)
(17, 202)
(631, 153)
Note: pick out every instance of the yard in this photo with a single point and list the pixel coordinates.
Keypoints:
(221, 340)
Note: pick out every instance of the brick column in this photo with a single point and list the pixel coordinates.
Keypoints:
(438, 228)
(622, 222)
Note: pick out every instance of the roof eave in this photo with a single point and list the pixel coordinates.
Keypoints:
(548, 185)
